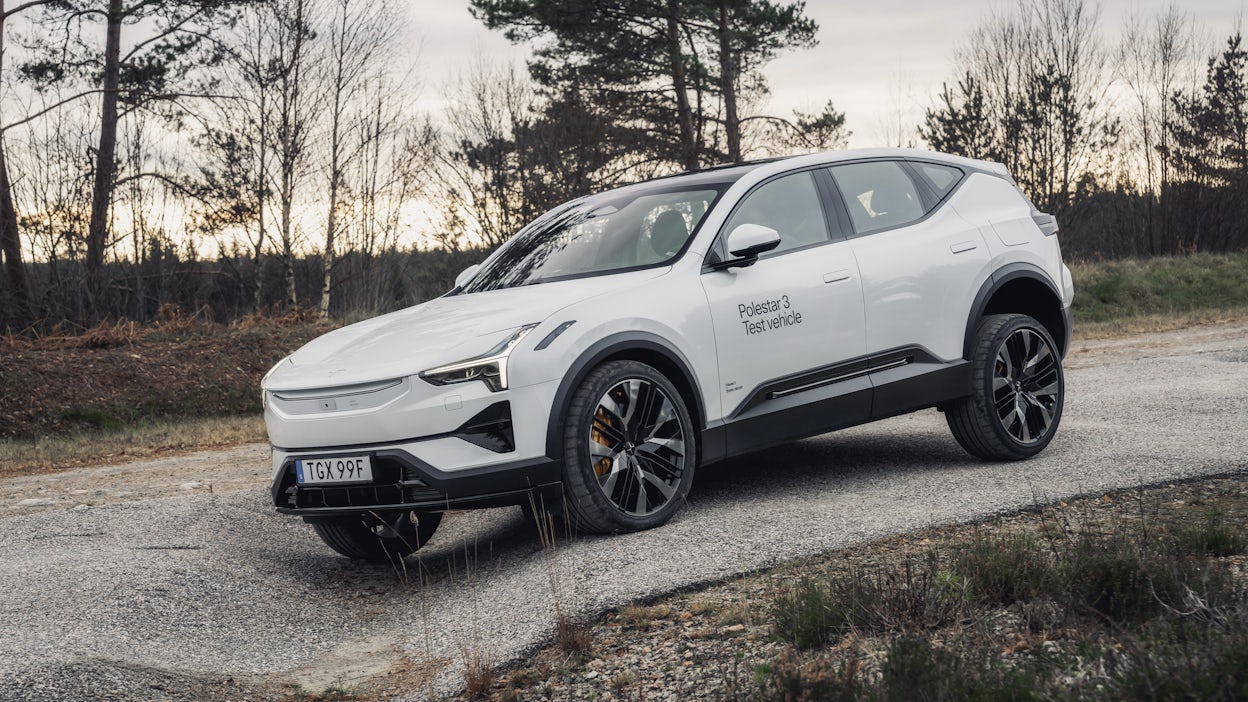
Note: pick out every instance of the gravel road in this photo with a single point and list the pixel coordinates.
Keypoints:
(174, 579)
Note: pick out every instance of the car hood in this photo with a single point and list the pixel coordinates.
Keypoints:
(440, 331)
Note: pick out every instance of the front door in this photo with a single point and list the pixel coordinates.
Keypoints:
(784, 324)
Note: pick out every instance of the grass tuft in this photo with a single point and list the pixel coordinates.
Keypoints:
(573, 635)
(642, 616)
(91, 417)
(478, 671)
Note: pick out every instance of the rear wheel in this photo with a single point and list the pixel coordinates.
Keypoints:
(378, 537)
(1017, 390)
(629, 449)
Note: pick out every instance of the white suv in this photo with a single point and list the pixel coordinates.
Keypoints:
(623, 340)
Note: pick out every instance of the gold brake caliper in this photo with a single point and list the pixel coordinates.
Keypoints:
(603, 465)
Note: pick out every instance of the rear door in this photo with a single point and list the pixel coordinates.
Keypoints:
(921, 262)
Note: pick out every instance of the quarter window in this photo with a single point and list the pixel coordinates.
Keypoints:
(878, 195)
(791, 206)
(941, 178)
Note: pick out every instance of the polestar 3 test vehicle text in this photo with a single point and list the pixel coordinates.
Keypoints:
(622, 341)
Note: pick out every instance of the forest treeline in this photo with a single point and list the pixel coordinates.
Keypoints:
(231, 156)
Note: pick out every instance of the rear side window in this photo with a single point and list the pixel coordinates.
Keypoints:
(941, 178)
(790, 205)
(878, 195)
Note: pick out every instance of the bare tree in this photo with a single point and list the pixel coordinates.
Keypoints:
(166, 41)
(481, 175)
(361, 36)
(295, 110)
(1156, 57)
(54, 194)
(396, 153)
(1036, 79)
(10, 234)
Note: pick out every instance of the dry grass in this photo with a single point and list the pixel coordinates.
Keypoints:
(1126, 326)
(642, 616)
(148, 439)
(478, 670)
(573, 635)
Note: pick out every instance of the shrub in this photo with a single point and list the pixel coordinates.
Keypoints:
(893, 599)
(1213, 537)
(1004, 570)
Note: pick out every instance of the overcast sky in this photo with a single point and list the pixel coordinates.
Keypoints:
(875, 60)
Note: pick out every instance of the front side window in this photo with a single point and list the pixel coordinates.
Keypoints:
(607, 233)
(790, 205)
(878, 195)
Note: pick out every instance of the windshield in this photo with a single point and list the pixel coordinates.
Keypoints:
(607, 233)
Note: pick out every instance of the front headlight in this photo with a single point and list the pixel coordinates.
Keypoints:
(264, 392)
(490, 367)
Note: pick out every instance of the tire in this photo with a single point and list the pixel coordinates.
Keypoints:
(378, 537)
(629, 449)
(546, 518)
(1018, 391)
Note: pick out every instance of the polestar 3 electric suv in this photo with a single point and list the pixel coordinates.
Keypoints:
(622, 341)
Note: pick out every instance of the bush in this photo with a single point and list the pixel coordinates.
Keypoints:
(1214, 537)
(1005, 569)
(895, 599)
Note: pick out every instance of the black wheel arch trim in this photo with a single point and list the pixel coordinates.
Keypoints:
(600, 351)
(999, 278)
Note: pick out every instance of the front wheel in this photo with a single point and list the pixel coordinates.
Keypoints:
(378, 537)
(629, 449)
(1017, 390)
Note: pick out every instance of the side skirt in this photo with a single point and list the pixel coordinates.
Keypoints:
(886, 385)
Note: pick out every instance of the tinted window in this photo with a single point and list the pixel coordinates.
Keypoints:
(878, 195)
(790, 205)
(941, 178)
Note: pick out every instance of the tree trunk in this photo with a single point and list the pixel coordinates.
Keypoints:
(684, 115)
(331, 224)
(101, 195)
(335, 165)
(728, 85)
(10, 235)
(288, 249)
(11, 248)
(291, 148)
(262, 174)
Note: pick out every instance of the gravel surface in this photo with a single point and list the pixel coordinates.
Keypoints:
(185, 593)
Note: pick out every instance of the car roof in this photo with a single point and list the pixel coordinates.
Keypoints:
(727, 174)
(730, 172)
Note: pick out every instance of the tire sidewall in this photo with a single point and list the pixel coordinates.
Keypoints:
(577, 467)
(984, 380)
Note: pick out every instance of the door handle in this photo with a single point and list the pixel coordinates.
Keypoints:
(836, 276)
(963, 246)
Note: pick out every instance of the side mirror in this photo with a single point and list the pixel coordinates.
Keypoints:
(466, 275)
(746, 242)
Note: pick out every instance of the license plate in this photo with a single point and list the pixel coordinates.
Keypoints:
(340, 469)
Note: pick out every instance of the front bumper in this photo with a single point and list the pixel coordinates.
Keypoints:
(403, 482)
